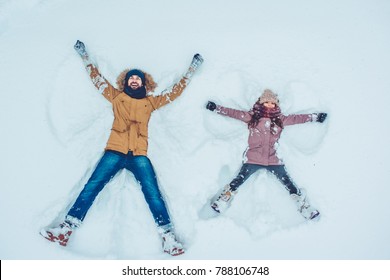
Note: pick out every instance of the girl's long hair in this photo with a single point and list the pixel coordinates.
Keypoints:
(260, 111)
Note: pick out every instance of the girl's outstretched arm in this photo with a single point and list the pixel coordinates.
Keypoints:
(229, 112)
(303, 118)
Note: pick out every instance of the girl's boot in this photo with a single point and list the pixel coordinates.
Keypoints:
(224, 200)
(307, 211)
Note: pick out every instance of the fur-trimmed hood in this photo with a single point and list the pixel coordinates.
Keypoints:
(150, 84)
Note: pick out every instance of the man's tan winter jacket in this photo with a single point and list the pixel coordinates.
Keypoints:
(131, 116)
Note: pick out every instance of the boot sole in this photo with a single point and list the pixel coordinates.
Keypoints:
(215, 208)
(181, 252)
(315, 216)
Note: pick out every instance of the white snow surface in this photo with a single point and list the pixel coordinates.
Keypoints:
(319, 56)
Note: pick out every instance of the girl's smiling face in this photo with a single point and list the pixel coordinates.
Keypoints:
(269, 105)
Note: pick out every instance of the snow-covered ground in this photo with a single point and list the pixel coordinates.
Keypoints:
(330, 56)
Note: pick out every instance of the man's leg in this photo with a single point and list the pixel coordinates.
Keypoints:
(106, 169)
(144, 173)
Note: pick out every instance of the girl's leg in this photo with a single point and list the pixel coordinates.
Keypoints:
(280, 172)
(298, 195)
(106, 169)
(225, 197)
(246, 171)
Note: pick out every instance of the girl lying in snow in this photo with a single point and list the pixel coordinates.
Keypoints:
(265, 123)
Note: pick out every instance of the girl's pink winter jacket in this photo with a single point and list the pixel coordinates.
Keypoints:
(261, 142)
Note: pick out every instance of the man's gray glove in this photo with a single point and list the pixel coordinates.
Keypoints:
(197, 60)
(80, 49)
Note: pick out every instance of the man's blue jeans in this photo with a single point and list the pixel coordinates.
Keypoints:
(108, 166)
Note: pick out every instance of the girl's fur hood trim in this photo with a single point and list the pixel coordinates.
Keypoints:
(150, 84)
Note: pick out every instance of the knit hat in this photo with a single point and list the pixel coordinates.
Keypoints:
(137, 72)
(269, 96)
(150, 84)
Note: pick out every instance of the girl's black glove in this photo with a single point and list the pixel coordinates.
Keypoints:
(211, 106)
(321, 117)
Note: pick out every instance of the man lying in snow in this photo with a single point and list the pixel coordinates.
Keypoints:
(126, 147)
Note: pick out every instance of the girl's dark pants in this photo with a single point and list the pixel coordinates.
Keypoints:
(278, 170)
